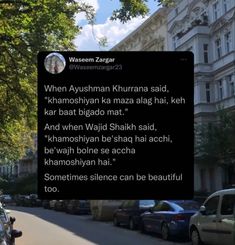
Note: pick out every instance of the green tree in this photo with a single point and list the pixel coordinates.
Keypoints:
(215, 141)
(27, 27)
(134, 8)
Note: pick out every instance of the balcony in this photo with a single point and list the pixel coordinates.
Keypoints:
(195, 30)
(223, 61)
(226, 103)
(204, 108)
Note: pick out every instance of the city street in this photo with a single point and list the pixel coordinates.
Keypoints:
(42, 226)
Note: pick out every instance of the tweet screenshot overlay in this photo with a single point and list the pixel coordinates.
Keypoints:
(115, 125)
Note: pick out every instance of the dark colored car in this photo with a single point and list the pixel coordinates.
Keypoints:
(129, 212)
(61, 205)
(7, 233)
(19, 200)
(78, 207)
(31, 201)
(35, 201)
(169, 218)
(46, 204)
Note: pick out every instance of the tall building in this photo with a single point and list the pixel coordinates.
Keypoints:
(150, 36)
(206, 28)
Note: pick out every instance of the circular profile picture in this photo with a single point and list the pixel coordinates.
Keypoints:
(54, 63)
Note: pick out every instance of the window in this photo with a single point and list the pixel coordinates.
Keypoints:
(162, 206)
(212, 205)
(228, 204)
(166, 207)
(185, 205)
(227, 38)
(130, 203)
(218, 48)
(208, 94)
(230, 81)
(176, 11)
(215, 10)
(146, 203)
(225, 6)
(221, 93)
(205, 53)
(232, 90)
(125, 204)
(174, 39)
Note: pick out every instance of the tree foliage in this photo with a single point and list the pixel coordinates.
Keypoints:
(134, 8)
(27, 27)
(215, 141)
(24, 185)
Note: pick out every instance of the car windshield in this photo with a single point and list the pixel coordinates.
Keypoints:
(147, 203)
(187, 205)
(3, 216)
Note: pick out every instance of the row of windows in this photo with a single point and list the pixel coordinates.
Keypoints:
(219, 48)
(227, 207)
(227, 41)
(220, 8)
(224, 87)
(229, 86)
(222, 46)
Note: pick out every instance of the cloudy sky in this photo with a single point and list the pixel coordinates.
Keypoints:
(114, 31)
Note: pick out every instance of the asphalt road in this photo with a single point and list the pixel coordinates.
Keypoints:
(48, 227)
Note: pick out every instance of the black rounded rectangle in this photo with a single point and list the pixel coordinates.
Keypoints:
(115, 125)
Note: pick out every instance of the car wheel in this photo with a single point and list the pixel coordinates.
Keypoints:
(132, 225)
(195, 237)
(165, 231)
(115, 221)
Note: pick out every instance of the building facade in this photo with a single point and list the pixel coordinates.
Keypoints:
(206, 28)
(150, 36)
(21, 168)
(9, 170)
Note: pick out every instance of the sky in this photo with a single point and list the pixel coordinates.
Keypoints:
(114, 31)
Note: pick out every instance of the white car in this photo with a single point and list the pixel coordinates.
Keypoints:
(214, 224)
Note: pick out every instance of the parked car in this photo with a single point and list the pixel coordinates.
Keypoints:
(26, 202)
(169, 218)
(61, 205)
(52, 204)
(129, 212)
(78, 207)
(103, 209)
(46, 204)
(35, 201)
(6, 198)
(19, 200)
(214, 223)
(7, 233)
(31, 201)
